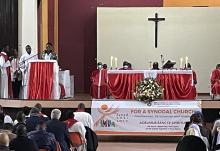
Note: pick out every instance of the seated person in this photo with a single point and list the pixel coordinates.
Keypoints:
(76, 126)
(125, 66)
(155, 66)
(129, 66)
(43, 139)
(191, 143)
(22, 142)
(98, 78)
(216, 136)
(48, 54)
(215, 81)
(4, 142)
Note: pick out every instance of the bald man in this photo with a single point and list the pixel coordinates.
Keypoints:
(4, 142)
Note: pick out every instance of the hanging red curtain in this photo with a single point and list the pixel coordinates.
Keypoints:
(40, 80)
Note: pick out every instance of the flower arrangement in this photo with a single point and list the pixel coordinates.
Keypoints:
(148, 90)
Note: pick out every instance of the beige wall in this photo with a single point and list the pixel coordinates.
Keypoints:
(194, 32)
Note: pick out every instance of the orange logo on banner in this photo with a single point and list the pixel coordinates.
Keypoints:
(105, 111)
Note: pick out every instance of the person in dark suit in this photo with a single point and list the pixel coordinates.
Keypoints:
(22, 142)
(34, 119)
(59, 129)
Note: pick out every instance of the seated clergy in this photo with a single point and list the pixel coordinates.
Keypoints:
(125, 66)
(99, 82)
(215, 81)
(155, 66)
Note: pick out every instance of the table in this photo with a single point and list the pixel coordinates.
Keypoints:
(43, 80)
(67, 81)
(177, 84)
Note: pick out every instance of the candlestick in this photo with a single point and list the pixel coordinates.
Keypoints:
(187, 61)
(116, 62)
(181, 63)
(112, 61)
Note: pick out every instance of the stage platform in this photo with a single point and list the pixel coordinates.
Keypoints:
(207, 103)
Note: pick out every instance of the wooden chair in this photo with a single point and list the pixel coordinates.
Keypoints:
(76, 139)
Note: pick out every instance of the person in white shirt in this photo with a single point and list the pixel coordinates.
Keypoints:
(75, 126)
(6, 85)
(48, 54)
(16, 75)
(24, 60)
(84, 117)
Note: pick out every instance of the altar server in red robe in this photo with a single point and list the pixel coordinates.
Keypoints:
(215, 81)
(99, 82)
(6, 85)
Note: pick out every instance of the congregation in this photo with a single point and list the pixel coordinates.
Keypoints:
(32, 130)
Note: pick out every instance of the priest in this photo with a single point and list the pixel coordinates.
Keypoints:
(48, 54)
(215, 82)
(99, 82)
(6, 85)
(24, 63)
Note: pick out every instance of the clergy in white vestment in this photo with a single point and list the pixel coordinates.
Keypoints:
(83, 117)
(48, 54)
(24, 62)
(6, 86)
(75, 126)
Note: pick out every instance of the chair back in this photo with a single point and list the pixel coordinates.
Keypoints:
(42, 150)
(76, 139)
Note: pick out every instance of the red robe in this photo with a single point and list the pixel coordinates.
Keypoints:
(10, 93)
(99, 84)
(215, 82)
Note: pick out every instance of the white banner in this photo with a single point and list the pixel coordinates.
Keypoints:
(137, 118)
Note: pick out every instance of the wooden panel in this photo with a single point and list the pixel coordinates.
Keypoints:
(56, 19)
(215, 3)
(44, 25)
(186, 3)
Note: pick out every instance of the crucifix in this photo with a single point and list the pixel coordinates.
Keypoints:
(156, 20)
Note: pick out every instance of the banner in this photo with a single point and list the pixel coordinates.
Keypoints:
(162, 118)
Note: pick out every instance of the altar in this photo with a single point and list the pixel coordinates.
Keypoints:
(177, 84)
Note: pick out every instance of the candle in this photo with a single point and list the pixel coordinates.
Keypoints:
(181, 63)
(187, 61)
(112, 61)
(116, 62)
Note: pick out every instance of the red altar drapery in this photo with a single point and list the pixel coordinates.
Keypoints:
(40, 80)
(176, 86)
(122, 86)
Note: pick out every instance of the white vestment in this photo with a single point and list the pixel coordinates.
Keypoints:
(4, 76)
(24, 62)
(47, 57)
(79, 127)
(85, 118)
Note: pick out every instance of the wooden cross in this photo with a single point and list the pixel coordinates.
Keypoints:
(156, 20)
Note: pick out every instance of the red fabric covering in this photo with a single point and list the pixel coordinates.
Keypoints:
(99, 82)
(40, 80)
(10, 93)
(215, 82)
(122, 86)
(177, 86)
(70, 122)
(62, 91)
